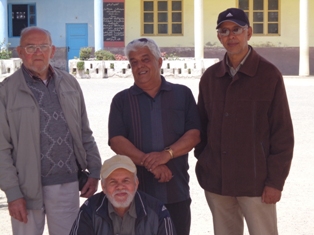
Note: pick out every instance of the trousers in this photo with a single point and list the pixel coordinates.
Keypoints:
(228, 213)
(180, 213)
(60, 209)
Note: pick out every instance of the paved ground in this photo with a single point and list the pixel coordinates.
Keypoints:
(296, 208)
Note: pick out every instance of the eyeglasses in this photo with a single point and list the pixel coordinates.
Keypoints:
(31, 49)
(236, 31)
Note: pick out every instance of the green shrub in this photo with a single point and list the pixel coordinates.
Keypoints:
(80, 65)
(104, 55)
(4, 51)
(85, 53)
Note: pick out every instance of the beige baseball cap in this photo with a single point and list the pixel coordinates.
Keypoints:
(116, 162)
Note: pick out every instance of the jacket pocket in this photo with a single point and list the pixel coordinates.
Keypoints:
(22, 114)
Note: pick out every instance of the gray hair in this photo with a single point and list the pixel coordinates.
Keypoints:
(27, 29)
(140, 43)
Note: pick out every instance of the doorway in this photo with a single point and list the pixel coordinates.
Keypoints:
(76, 38)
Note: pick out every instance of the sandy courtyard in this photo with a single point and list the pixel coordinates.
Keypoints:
(296, 208)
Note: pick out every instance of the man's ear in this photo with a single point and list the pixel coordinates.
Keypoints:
(160, 62)
(19, 51)
(137, 183)
(249, 33)
(53, 50)
(103, 186)
(219, 38)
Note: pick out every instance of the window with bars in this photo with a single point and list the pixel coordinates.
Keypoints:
(20, 16)
(162, 17)
(263, 15)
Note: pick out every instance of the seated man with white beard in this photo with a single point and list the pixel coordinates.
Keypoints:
(120, 208)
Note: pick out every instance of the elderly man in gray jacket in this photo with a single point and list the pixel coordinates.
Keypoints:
(44, 135)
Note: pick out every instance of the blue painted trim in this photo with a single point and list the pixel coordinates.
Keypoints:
(10, 23)
(10, 30)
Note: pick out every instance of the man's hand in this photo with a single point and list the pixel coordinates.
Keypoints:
(271, 195)
(151, 160)
(89, 188)
(162, 173)
(17, 209)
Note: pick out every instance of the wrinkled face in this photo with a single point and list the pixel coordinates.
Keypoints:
(235, 44)
(145, 67)
(38, 62)
(120, 187)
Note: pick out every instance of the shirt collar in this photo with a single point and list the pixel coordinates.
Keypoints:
(233, 71)
(51, 73)
(165, 86)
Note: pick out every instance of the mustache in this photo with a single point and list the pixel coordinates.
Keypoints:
(121, 191)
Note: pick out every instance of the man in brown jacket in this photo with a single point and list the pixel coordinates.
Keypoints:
(247, 135)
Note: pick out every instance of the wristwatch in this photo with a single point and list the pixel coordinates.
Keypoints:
(170, 151)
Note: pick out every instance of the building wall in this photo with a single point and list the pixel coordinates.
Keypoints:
(282, 50)
(53, 16)
(133, 25)
(289, 23)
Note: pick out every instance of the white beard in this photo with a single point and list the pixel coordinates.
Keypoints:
(124, 204)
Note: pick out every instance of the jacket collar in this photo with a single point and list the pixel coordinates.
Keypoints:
(17, 80)
(249, 67)
(102, 206)
(21, 81)
(50, 75)
(141, 209)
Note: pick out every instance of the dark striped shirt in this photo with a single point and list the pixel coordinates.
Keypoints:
(152, 124)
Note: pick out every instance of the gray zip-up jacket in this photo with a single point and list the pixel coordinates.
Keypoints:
(153, 218)
(20, 172)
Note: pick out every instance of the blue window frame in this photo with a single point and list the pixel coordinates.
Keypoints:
(20, 16)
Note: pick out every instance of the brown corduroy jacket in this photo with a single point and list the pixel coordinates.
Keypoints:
(247, 134)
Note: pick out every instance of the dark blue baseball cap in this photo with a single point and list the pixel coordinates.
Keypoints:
(235, 15)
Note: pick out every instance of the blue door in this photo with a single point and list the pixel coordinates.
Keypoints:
(76, 38)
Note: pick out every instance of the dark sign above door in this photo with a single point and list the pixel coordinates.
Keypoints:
(113, 24)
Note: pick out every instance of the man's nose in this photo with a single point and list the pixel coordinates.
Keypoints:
(38, 50)
(231, 34)
(120, 185)
(139, 64)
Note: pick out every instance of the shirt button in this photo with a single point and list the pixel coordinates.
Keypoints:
(226, 114)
